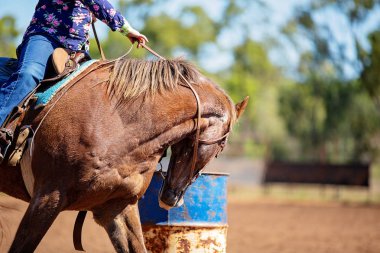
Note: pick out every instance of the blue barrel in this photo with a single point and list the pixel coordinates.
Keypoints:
(199, 225)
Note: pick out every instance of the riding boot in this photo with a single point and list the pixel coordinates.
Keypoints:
(6, 137)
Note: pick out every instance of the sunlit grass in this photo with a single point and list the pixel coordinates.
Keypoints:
(304, 193)
(375, 171)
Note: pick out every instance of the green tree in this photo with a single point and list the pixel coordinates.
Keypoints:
(370, 77)
(8, 35)
(325, 44)
(340, 132)
(253, 74)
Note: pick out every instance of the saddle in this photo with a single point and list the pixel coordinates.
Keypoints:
(65, 61)
(62, 63)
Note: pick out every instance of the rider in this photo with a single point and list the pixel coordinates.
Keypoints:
(55, 23)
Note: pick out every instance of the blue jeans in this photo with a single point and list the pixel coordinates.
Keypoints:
(29, 71)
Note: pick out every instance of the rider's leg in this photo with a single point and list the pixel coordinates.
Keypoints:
(7, 67)
(33, 58)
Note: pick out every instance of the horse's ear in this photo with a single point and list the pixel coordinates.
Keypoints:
(240, 107)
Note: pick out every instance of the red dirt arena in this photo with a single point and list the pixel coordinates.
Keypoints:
(254, 226)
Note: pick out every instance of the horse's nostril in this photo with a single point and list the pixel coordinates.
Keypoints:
(168, 197)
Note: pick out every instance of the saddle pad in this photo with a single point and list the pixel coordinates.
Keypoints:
(44, 96)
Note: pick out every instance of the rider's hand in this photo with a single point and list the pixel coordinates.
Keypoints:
(135, 36)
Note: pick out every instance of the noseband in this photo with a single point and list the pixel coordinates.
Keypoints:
(221, 140)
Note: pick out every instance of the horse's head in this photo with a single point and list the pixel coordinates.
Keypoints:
(184, 166)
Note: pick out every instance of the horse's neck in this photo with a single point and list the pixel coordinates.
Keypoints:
(160, 122)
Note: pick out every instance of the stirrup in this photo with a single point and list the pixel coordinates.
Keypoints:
(2, 154)
(6, 137)
(22, 141)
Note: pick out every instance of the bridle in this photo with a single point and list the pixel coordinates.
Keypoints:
(221, 140)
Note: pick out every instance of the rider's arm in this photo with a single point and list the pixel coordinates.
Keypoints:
(105, 12)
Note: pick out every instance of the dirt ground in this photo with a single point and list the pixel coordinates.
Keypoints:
(264, 227)
(332, 228)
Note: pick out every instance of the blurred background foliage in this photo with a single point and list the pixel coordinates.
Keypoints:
(326, 108)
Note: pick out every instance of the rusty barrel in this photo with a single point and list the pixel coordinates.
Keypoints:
(199, 225)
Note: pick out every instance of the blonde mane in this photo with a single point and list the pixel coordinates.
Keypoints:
(132, 78)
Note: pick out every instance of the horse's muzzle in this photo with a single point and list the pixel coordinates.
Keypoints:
(168, 199)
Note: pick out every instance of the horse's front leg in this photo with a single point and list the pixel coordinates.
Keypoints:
(11, 182)
(42, 211)
(123, 227)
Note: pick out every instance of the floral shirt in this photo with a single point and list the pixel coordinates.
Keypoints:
(69, 21)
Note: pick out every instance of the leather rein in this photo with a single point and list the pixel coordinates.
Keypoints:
(221, 140)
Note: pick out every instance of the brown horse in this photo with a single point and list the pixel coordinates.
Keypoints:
(99, 142)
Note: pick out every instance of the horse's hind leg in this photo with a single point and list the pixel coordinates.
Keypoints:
(123, 227)
(42, 211)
